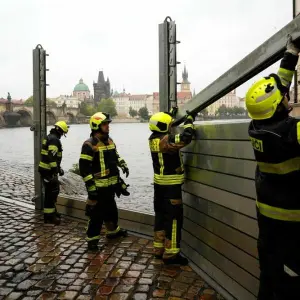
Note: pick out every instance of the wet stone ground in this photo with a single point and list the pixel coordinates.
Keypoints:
(17, 182)
(40, 261)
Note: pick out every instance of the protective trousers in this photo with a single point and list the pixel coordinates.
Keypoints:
(51, 194)
(168, 210)
(105, 210)
(279, 259)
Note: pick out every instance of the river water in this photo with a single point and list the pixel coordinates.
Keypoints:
(16, 148)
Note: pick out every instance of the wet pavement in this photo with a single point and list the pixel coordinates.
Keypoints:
(17, 183)
(40, 261)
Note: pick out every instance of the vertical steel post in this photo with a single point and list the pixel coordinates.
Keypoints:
(295, 12)
(163, 67)
(172, 42)
(167, 65)
(39, 117)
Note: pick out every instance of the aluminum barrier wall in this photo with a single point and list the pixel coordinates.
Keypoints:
(220, 229)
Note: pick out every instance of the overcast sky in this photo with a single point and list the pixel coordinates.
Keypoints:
(120, 37)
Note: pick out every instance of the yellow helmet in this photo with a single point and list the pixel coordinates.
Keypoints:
(98, 118)
(62, 125)
(264, 96)
(160, 122)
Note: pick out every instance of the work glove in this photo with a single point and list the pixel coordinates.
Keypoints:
(124, 168)
(189, 118)
(291, 47)
(173, 111)
(121, 188)
(61, 172)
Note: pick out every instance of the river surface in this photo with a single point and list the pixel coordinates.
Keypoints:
(16, 148)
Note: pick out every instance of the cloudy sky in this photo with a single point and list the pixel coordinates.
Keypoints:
(121, 38)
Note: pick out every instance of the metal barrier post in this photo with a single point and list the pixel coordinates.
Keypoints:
(39, 127)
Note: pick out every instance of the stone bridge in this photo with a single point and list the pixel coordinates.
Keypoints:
(69, 114)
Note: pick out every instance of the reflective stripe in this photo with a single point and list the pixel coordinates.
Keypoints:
(97, 237)
(158, 245)
(44, 152)
(277, 213)
(109, 147)
(282, 168)
(44, 142)
(286, 76)
(91, 188)
(49, 210)
(86, 157)
(106, 181)
(173, 249)
(59, 154)
(102, 164)
(177, 138)
(44, 166)
(298, 132)
(53, 148)
(113, 231)
(87, 178)
(161, 163)
(189, 126)
(168, 179)
(53, 164)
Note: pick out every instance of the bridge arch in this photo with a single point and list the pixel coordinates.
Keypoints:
(51, 118)
(71, 119)
(26, 117)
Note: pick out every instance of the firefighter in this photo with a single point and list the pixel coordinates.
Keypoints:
(98, 164)
(275, 137)
(49, 168)
(168, 179)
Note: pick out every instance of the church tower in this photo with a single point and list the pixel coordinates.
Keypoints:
(185, 84)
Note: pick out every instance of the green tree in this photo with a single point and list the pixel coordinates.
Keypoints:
(144, 113)
(204, 112)
(108, 106)
(29, 101)
(50, 103)
(87, 109)
(132, 112)
(222, 110)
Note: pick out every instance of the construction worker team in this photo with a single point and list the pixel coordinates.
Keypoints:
(275, 137)
(99, 165)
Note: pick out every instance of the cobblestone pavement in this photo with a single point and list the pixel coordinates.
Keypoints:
(40, 261)
(16, 182)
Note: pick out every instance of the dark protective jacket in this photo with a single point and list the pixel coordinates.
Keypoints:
(51, 155)
(276, 144)
(166, 157)
(99, 162)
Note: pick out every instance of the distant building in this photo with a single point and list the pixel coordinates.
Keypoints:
(70, 101)
(81, 91)
(183, 96)
(229, 100)
(101, 88)
(122, 103)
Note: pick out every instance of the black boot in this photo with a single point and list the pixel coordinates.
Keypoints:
(51, 219)
(176, 260)
(93, 245)
(121, 233)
